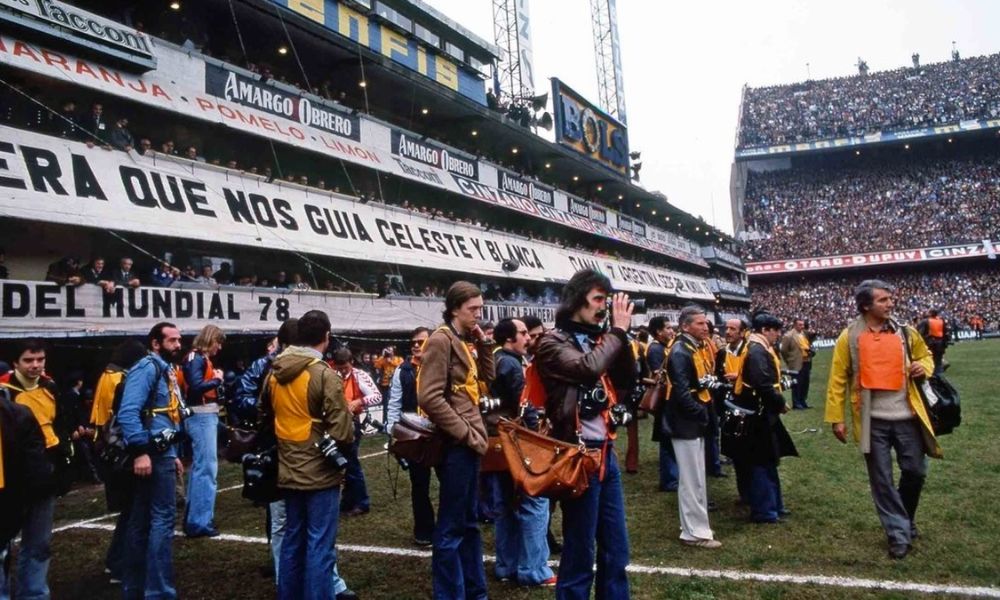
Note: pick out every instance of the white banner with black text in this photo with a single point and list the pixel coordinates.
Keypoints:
(48, 179)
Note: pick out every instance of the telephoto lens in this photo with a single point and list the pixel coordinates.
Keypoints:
(328, 447)
(638, 305)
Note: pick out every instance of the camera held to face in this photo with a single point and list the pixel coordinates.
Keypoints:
(638, 305)
(334, 457)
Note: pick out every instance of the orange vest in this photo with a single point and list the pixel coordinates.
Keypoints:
(880, 358)
(935, 327)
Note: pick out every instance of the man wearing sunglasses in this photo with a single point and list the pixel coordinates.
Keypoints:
(403, 398)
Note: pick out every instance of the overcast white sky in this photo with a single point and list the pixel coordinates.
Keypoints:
(685, 64)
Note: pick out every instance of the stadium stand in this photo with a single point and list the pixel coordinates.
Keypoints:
(849, 204)
(879, 102)
(828, 301)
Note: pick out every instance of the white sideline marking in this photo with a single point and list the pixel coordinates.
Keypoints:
(78, 524)
(840, 582)
(373, 455)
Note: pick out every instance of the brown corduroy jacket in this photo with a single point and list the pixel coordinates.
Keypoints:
(441, 386)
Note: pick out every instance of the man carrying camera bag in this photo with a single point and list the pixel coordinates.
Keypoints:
(583, 366)
(455, 368)
(313, 427)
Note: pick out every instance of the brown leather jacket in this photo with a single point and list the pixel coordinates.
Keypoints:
(563, 368)
(441, 390)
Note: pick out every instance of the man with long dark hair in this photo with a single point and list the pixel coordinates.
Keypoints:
(580, 362)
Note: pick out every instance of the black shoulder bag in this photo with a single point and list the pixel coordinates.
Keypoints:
(940, 398)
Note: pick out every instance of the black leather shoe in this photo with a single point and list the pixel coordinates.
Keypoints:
(898, 551)
(347, 595)
(209, 533)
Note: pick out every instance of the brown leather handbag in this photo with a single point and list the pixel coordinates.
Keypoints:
(494, 461)
(416, 442)
(653, 396)
(544, 466)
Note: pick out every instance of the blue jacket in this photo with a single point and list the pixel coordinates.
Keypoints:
(194, 377)
(151, 372)
(248, 387)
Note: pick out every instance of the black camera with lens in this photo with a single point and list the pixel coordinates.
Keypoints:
(488, 405)
(260, 477)
(163, 439)
(620, 416)
(712, 383)
(788, 379)
(638, 305)
(592, 401)
(331, 452)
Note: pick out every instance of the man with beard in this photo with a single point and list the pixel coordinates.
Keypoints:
(150, 417)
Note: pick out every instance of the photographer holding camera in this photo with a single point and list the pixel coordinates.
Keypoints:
(758, 388)
(313, 426)
(521, 521)
(584, 366)
(455, 368)
(686, 418)
(150, 418)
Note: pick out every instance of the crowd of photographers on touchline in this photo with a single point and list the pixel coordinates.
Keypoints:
(896, 203)
(859, 105)
(963, 295)
(156, 411)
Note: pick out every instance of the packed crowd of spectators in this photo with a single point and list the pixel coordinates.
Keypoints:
(828, 302)
(896, 204)
(863, 104)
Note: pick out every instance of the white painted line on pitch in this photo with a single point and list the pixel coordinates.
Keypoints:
(373, 455)
(734, 575)
(78, 524)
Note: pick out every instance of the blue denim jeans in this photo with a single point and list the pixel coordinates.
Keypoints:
(420, 500)
(521, 528)
(766, 503)
(278, 526)
(668, 466)
(307, 569)
(203, 429)
(34, 555)
(355, 494)
(742, 469)
(149, 569)
(114, 560)
(595, 521)
(457, 563)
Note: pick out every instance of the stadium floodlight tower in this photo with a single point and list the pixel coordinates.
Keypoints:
(512, 35)
(607, 51)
